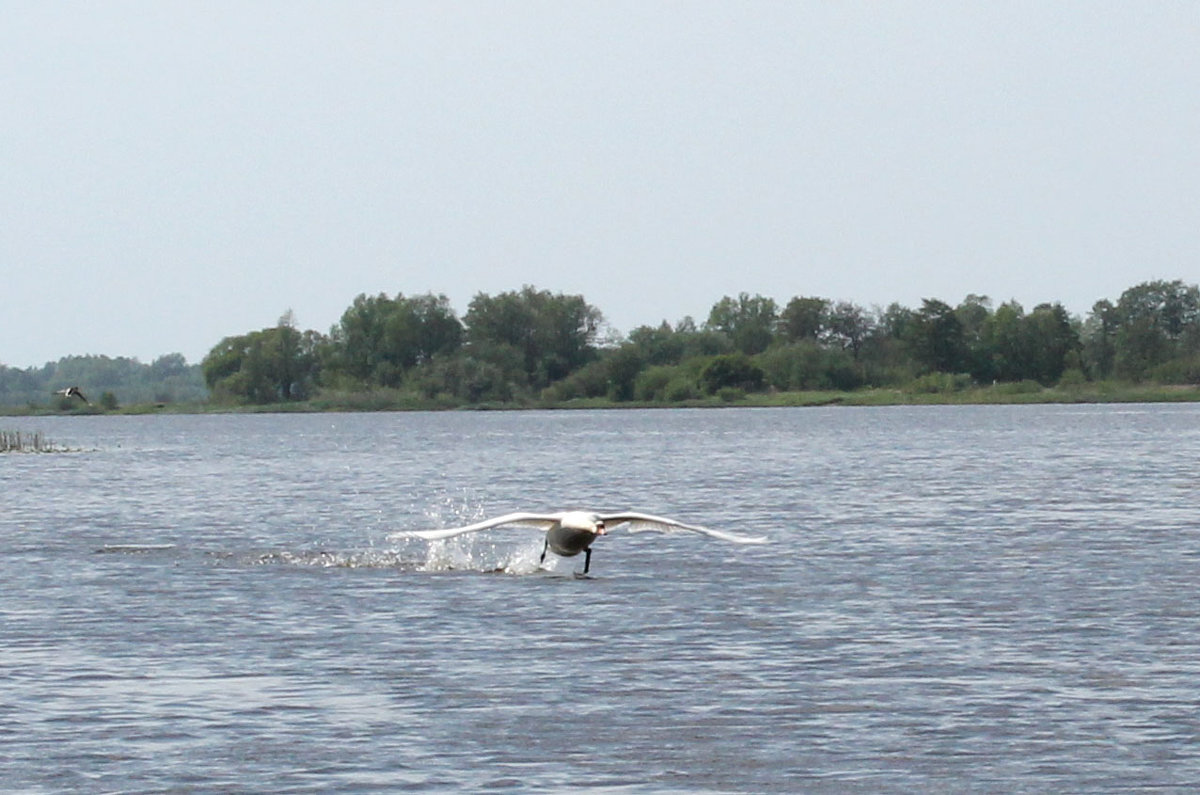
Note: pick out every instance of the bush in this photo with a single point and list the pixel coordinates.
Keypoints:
(1072, 379)
(651, 383)
(682, 388)
(797, 366)
(1177, 371)
(591, 381)
(731, 394)
(733, 369)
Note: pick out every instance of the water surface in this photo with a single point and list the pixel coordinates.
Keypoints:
(984, 598)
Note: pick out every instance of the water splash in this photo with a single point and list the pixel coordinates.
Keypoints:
(476, 553)
(507, 551)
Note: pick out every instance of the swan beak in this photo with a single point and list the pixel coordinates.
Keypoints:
(600, 529)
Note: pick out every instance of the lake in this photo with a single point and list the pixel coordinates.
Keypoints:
(955, 598)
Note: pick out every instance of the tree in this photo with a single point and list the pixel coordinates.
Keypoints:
(380, 339)
(1052, 343)
(1100, 339)
(1005, 337)
(749, 322)
(974, 313)
(622, 367)
(658, 345)
(358, 338)
(266, 366)
(849, 326)
(554, 334)
(937, 337)
(1157, 321)
(804, 319)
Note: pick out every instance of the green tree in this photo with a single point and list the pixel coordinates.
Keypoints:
(266, 366)
(380, 339)
(849, 326)
(357, 339)
(622, 367)
(1052, 343)
(937, 337)
(1157, 321)
(1005, 336)
(975, 314)
(1100, 339)
(804, 319)
(659, 344)
(419, 328)
(554, 334)
(748, 321)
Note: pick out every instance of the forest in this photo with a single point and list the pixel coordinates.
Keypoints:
(109, 383)
(531, 347)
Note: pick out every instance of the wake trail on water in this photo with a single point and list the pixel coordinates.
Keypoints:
(512, 551)
(515, 551)
(457, 554)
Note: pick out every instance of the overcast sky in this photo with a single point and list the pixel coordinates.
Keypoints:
(175, 172)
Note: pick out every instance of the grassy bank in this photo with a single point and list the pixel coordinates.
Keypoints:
(1000, 394)
(398, 400)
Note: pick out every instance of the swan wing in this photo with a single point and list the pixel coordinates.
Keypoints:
(641, 522)
(543, 521)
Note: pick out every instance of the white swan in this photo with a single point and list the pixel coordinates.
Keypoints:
(73, 391)
(570, 532)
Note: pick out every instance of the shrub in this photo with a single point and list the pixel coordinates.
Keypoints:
(731, 394)
(733, 369)
(1072, 379)
(1177, 371)
(651, 383)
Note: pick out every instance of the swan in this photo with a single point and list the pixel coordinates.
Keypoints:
(73, 391)
(570, 532)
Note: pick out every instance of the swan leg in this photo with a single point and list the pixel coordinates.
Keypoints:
(587, 559)
(544, 548)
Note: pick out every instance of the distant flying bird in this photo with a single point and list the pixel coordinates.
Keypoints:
(570, 532)
(73, 391)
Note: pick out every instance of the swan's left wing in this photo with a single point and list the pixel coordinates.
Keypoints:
(640, 522)
(543, 521)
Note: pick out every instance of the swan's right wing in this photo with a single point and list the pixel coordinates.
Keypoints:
(543, 521)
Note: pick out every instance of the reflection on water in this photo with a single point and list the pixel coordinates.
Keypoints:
(993, 598)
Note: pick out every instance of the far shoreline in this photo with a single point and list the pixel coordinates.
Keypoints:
(392, 401)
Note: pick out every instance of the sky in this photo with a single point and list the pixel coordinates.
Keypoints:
(172, 173)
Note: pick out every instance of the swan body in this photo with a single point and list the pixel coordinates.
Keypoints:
(570, 532)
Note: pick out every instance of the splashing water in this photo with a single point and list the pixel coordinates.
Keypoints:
(511, 551)
(514, 551)
(475, 553)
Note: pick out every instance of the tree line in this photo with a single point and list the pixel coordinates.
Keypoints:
(530, 345)
(108, 382)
